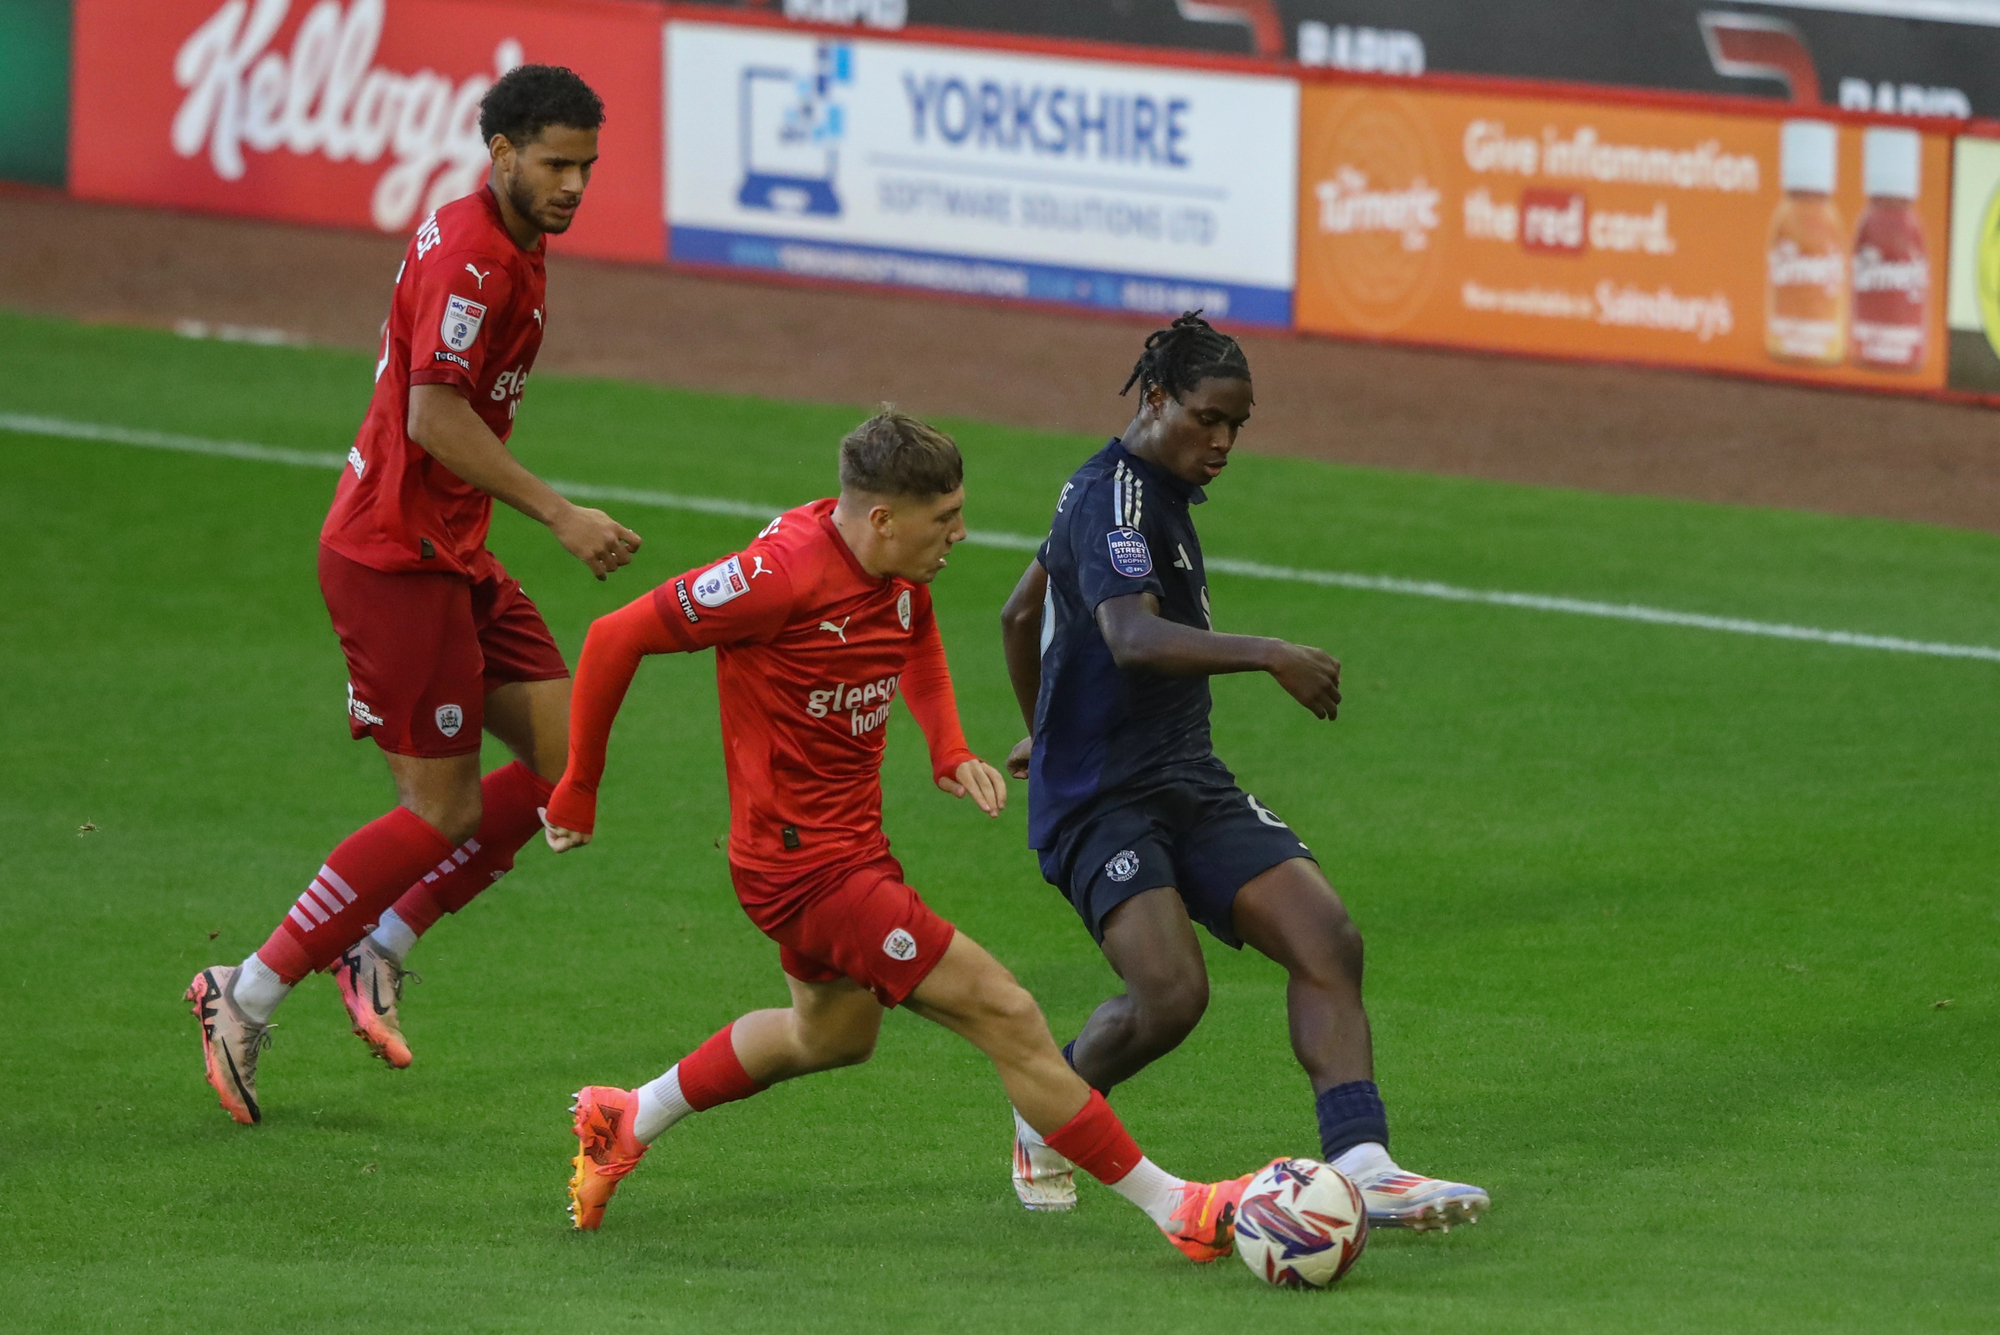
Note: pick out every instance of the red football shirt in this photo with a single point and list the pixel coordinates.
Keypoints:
(467, 313)
(810, 651)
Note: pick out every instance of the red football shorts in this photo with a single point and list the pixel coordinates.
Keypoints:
(860, 922)
(423, 651)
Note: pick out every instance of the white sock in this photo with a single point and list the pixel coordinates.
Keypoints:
(661, 1104)
(1153, 1189)
(1026, 1134)
(1363, 1160)
(257, 990)
(392, 936)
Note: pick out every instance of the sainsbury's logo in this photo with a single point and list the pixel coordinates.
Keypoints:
(327, 96)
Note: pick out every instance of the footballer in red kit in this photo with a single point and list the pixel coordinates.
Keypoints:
(810, 649)
(441, 644)
(818, 626)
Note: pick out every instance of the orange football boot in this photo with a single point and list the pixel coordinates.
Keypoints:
(364, 974)
(1203, 1226)
(230, 1042)
(606, 1150)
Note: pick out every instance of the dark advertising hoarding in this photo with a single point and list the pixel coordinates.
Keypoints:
(1910, 57)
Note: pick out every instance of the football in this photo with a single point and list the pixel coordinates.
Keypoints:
(1300, 1225)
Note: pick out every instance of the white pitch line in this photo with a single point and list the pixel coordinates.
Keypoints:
(29, 424)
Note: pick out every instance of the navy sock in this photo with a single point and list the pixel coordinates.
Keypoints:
(1069, 1055)
(1349, 1115)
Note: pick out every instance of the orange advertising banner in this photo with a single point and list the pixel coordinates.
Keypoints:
(1800, 248)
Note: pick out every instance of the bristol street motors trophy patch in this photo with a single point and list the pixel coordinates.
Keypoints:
(1129, 554)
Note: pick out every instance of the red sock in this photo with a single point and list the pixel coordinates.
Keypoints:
(508, 818)
(361, 877)
(1096, 1141)
(713, 1073)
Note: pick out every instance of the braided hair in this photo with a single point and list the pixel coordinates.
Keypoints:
(1184, 354)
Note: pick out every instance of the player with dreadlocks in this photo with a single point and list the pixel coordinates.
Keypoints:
(1110, 647)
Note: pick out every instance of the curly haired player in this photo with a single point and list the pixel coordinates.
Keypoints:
(440, 641)
(817, 626)
(1110, 647)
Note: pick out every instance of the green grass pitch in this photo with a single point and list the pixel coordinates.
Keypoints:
(1662, 922)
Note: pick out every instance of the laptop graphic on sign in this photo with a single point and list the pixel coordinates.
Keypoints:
(789, 131)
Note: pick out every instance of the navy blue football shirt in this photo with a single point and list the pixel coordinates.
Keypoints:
(1121, 527)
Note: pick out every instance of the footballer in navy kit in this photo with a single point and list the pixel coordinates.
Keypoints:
(1110, 645)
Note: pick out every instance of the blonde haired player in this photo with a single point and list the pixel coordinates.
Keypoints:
(818, 626)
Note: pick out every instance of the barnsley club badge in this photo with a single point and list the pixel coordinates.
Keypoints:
(903, 608)
(450, 718)
(462, 319)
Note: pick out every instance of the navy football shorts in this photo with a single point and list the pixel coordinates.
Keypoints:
(1195, 831)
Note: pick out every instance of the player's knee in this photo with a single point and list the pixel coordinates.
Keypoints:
(825, 1048)
(1347, 938)
(1170, 1009)
(550, 760)
(455, 817)
(1340, 950)
(1334, 956)
(848, 1050)
(1009, 1015)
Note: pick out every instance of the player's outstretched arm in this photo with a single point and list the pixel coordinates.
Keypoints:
(611, 654)
(927, 691)
(1140, 638)
(447, 428)
(1021, 639)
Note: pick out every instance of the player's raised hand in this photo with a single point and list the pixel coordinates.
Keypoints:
(561, 840)
(1017, 759)
(976, 779)
(1311, 676)
(595, 538)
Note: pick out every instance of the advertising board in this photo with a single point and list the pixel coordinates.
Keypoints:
(1103, 184)
(1905, 57)
(1805, 248)
(354, 113)
(1972, 303)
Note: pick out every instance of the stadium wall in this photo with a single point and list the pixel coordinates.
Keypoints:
(34, 91)
(1548, 219)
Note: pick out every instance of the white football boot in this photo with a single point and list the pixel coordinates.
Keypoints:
(1399, 1199)
(1043, 1179)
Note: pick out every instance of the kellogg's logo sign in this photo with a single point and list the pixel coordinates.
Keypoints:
(358, 113)
(329, 96)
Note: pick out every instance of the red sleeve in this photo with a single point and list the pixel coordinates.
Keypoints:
(611, 654)
(741, 599)
(927, 691)
(457, 301)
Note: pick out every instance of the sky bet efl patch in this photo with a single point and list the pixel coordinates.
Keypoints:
(718, 584)
(462, 319)
(1129, 554)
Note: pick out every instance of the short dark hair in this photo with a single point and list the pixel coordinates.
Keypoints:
(1184, 354)
(894, 454)
(530, 98)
